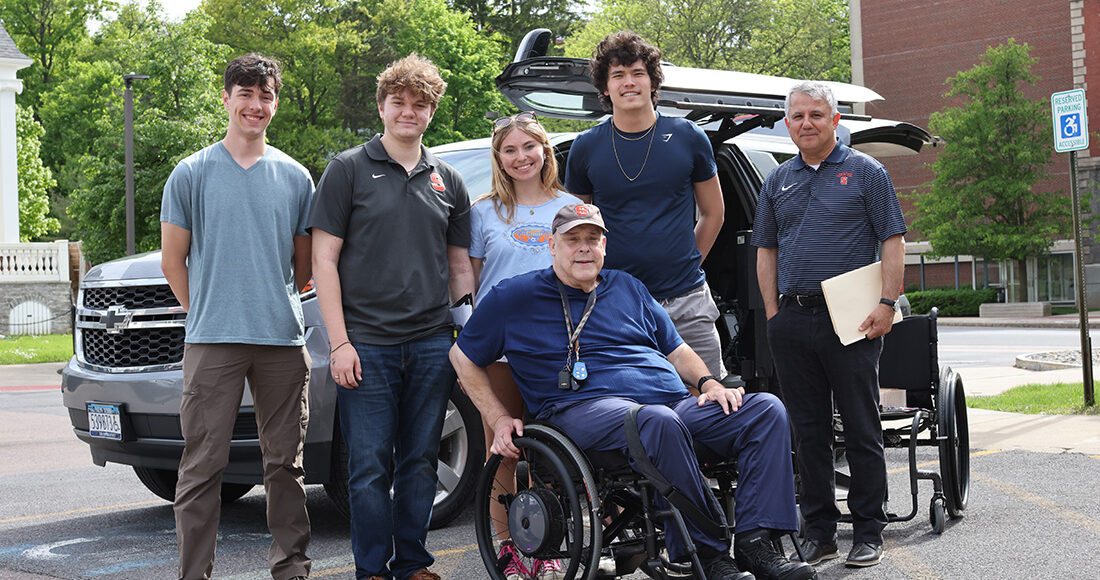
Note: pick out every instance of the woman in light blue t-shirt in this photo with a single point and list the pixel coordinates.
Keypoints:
(509, 235)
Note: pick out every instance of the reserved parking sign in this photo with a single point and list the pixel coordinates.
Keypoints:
(1071, 124)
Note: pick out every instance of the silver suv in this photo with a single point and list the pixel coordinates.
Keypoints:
(122, 387)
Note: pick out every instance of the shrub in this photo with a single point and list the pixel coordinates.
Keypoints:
(962, 302)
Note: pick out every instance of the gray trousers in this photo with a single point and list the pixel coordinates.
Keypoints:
(693, 313)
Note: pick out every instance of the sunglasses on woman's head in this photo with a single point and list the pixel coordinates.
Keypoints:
(502, 122)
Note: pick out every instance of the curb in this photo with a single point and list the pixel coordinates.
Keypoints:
(1013, 323)
(1023, 362)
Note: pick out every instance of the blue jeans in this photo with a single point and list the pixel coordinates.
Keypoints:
(394, 417)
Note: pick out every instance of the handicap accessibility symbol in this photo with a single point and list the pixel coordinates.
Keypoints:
(1071, 125)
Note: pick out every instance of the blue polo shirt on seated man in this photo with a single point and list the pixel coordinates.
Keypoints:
(827, 220)
(623, 342)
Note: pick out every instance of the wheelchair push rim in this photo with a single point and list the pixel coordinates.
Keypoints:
(954, 443)
(554, 510)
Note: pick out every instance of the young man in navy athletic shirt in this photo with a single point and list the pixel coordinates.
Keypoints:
(648, 173)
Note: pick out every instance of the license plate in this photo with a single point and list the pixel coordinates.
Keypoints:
(104, 421)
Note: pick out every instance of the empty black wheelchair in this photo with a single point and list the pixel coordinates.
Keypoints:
(590, 511)
(935, 407)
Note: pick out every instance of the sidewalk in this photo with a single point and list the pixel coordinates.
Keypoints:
(30, 377)
(1055, 321)
(1045, 433)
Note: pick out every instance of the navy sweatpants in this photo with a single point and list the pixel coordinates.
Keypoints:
(757, 435)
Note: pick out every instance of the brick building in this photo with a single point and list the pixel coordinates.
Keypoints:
(906, 50)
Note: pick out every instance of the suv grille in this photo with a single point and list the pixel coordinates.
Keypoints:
(130, 328)
(135, 348)
(132, 297)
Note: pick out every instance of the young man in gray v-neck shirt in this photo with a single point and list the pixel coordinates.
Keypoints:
(235, 251)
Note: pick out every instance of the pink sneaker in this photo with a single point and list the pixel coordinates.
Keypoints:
(548, 570)
(514, 570)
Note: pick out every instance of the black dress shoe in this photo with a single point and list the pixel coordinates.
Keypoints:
(816, 551)
(756, 553)
(864, 554)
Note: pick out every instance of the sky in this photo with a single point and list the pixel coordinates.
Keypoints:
(176, 9)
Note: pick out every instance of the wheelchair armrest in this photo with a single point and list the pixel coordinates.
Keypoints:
(733, 381)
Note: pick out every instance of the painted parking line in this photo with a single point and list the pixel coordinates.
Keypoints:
(82, 511)
(18, 388)
(935, 463)
(1071, 516)
(908, 563)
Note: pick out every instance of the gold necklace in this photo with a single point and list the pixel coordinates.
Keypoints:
(652, 134)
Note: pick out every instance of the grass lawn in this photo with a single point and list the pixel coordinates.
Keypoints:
(1056, 399)
(36, 349)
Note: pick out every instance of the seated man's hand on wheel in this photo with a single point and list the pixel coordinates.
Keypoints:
(503, 428)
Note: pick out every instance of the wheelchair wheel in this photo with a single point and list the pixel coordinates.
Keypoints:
(936, 515)
(954, 444)
(553, 515)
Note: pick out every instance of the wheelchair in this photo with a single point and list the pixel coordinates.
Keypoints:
(592, 512)
(935, 407)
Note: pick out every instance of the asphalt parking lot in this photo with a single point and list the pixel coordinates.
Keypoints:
(1030, 514)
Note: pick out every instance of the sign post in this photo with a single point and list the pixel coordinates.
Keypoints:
(1071, 133)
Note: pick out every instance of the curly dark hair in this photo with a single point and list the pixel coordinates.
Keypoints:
(253, 70)
(624, 47)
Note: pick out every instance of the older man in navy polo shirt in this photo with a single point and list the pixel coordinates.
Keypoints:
(827, 211)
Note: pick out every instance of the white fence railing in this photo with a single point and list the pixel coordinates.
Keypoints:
(35, 262)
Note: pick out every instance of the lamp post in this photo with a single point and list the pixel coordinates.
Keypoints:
(129, 136)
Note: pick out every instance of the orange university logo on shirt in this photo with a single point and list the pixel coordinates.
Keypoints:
(437, 182)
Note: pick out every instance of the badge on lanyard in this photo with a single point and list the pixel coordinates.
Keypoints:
(574, 372)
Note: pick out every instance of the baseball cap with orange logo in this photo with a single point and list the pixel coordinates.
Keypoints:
(577, 214)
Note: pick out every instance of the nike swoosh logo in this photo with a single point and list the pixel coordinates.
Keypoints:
(377, 175)
(785, 188)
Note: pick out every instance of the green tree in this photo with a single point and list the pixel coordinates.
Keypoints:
(312, 40)
(515, 18)
(468, 61)
(803, 39)
(799, 38)
(983, 199)
(35, 179)
(47, 31)
(177, 111)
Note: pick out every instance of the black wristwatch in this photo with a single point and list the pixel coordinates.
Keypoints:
(704, 379)
(888, 302)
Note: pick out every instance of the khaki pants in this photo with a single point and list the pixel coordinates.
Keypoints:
(693, 313)
(213, 384)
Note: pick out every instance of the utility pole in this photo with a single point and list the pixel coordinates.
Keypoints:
(129, 136)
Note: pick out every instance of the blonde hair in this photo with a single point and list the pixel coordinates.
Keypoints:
(503, 191)
(415, 74)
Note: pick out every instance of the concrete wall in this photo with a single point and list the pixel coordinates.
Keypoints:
(38, 306)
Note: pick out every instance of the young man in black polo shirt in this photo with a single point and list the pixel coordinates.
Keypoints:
(827, 211)
(391, 228)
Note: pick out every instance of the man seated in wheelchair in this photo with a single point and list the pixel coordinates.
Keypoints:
(585, 346)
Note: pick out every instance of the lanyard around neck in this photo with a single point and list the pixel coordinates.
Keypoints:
(575, 333)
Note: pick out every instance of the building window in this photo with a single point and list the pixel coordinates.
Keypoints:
(1050, 279)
